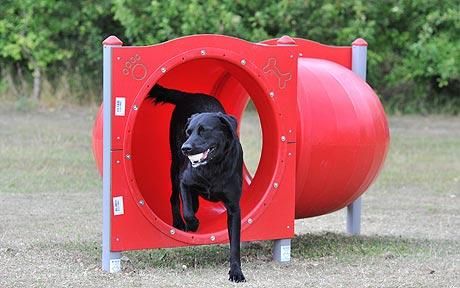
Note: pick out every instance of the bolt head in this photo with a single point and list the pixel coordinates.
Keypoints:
(250, 221)
(203, 52)
(283, 138)
(135, 107)
(243, 62)
(128, 156)
(213, 238)
(271, 94)
(276, 185)
(163, 70)
(172, 231)
(141, 202)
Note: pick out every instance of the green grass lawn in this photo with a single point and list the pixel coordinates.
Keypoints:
(50, 211)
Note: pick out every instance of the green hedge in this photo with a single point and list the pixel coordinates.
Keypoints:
(414, 46)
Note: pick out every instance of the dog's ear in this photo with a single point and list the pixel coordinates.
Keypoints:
(188, 121)
(229, 121)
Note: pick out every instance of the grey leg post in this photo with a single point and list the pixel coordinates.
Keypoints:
(282, 250)
(110, 259)
(354, 217)
(358, 65)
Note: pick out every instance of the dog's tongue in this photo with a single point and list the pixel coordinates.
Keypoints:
(198, 157)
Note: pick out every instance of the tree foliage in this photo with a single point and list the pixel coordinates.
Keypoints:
(414, 46)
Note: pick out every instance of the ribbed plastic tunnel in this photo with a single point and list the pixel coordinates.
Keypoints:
(342, 137)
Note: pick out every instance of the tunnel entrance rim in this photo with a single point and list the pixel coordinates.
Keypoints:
(262, 102)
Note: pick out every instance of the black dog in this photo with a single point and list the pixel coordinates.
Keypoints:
(207, 161)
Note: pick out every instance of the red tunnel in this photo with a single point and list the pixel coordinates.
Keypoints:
(341, 137)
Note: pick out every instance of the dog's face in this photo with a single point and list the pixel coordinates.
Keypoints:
(208, 136)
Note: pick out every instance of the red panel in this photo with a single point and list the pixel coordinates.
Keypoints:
(232, 70)
(311, 49)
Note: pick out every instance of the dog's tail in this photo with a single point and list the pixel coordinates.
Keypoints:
(160, 94)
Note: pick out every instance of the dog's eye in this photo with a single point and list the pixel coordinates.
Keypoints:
(200, 129)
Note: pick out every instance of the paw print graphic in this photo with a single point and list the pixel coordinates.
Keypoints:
(135, 67)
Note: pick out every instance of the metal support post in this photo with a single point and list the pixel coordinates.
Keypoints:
(282, 250)
(110, 259)
(358, 65)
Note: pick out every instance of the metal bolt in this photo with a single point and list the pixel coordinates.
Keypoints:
(283, 138)
(135, 107)
(118, 58)
(276, 185)
(272, 94)
(172, 231)
(212, 238)
(117, 239)
(203, 52)
(250, 221)
(243, 62)
(128, 156)
(163, 70)
(291, 56)
(141, 202)
(289, 154)
(118, 161)
(288, 227)
(300, 54)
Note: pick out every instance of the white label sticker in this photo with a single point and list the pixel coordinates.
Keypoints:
(118, 206)
(285, 253)
(115, 265)
(120, 103)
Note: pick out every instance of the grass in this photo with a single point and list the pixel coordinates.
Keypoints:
(426, 144)
(50, 209)
(308, 247)
(46, 151)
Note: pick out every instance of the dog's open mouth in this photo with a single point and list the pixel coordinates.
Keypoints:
(200, 158)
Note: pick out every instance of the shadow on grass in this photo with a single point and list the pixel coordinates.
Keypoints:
(341, 246)
(304, 247)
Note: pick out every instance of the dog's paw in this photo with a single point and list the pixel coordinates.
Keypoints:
(235, 275)
(191, 224)
(179, 224)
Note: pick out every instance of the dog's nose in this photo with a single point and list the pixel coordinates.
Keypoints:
(186, 148)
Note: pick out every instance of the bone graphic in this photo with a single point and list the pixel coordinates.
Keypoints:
(282, 77)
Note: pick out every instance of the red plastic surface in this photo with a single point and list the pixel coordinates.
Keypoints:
(342, 137)
(325, 134)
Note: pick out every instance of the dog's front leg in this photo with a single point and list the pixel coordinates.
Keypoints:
(191, 222)
(175, 197)
(234, 229)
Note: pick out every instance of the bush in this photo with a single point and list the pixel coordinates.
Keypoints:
(413, 61)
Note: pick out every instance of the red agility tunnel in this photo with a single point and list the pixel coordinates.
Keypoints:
(325, 134)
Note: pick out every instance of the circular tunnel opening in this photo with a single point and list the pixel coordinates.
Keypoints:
(234, 86)
(251, 138)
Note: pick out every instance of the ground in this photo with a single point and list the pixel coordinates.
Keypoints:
(50, 211)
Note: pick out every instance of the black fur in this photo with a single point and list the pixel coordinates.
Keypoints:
(199, 124)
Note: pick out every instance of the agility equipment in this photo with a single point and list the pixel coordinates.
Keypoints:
(325, 136)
